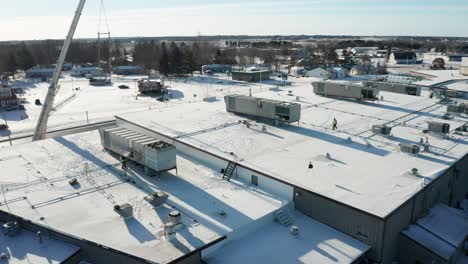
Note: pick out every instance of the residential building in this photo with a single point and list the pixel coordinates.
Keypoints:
(297, 71)
(338, 72)
(402, 57)
(8, 96)
(40, 73)
(128, 70)
(464, 66)
(318, 73)
(85, 72)
(251, 76)
(216, 68)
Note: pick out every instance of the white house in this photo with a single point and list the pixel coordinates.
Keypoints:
(464, 66)
(297, 71)
(85, 71)
(318, 73)
(338, 72)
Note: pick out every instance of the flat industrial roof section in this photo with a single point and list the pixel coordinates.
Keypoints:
(365, 171)
(442, 231)
(25, 248)
(273, 243)
(210, 207)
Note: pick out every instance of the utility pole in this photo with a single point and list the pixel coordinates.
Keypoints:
(41, 127)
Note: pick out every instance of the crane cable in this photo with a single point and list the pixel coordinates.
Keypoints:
(103, 16)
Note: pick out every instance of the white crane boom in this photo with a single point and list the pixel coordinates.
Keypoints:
(41, 127)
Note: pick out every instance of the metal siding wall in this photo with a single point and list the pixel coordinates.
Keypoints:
(345, 219)
(410, 252)
(393, 226)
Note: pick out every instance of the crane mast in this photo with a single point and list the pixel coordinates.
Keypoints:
(41, 127)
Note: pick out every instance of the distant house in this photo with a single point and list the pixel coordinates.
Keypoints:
(362, 69)
(40, 73)
(128, 70)
(7, 96)
(251, 76)
(85, 71)
(318, 73)
(464, 66)
(402, 57)
(297, 71)
(361, 51)
(216, 68)
(338, 72)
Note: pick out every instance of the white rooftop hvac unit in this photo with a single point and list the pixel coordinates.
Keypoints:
(263, 108)
(154, 154)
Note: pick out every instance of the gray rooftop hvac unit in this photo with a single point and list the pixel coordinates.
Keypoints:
(409, 148)
(438, 127)
(157, 199)
(264, 108)
(125, 210)
(381, 130)
(150, 152)
(460, 108)
(345, 90)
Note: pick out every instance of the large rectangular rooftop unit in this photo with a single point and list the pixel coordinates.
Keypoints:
(152, 153)
(345, 90)
(438, 127)
(390, 87)
(263, 108)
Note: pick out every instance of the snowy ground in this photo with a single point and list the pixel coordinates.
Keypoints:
(94, 104)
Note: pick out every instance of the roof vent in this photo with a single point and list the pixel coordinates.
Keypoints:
(157, 199)
(409, 148)
(294, 230)
(328, 156)
(175, 217)
(381, 130)
(447, 116)
(438, 127)
(11, 228)
(124, 210)
(414, 171)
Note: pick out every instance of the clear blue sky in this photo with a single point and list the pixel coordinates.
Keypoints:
(39, 19)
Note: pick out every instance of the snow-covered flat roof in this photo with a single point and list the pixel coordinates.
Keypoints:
(273, 243)
(24, 248)
(210, 206)
(442, 231)
(364, 170)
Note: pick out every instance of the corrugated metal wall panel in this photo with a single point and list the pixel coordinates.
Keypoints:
(357, 224)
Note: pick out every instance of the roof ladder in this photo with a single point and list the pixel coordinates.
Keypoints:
(229, 170)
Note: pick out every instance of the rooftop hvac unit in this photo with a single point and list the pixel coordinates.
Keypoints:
(381, 130)
(155, 155)
(175, 217)
(439, 127)
(157, 199)
(409, 148)
(456, 108)
(263, 108)
(124, 210)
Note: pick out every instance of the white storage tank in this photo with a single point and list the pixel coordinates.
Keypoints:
(264, 108)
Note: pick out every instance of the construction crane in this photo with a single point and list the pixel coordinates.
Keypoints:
(41, 127)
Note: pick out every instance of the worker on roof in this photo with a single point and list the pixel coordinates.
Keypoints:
(335, 124)
(124, 161)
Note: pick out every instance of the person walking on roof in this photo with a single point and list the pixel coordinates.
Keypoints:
(124, 161)
(335, 124)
